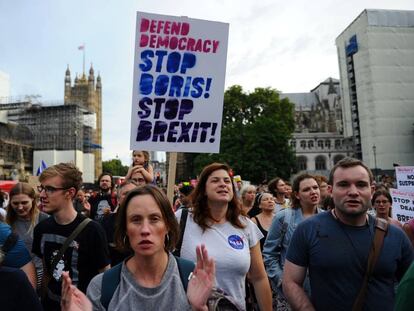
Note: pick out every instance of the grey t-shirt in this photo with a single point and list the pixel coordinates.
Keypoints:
(129, 295)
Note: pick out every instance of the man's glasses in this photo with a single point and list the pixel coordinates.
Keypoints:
(49, 189)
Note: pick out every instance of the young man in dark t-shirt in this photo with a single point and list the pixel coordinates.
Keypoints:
(87, 255)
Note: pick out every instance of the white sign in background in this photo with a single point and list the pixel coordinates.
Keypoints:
(405, 178)
(402, 205)
(178, 86)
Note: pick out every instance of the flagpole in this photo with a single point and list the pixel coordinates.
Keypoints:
(84, 47)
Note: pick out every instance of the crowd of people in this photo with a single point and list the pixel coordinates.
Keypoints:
(317, 243)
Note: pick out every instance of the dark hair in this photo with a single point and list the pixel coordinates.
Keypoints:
(121, 239)
(296, 187)
(347, 163)
(106, 174)
(385, 193)
(198, 199)
(272, 186)
(70, 174)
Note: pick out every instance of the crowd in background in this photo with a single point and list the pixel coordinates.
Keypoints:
(238, 234)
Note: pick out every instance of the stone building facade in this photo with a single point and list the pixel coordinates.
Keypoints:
(318, 138)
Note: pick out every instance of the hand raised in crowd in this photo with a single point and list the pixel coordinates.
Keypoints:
(72, 298)
(202, 280)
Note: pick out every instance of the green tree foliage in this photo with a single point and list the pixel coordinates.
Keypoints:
(255, 133)
(114, 167)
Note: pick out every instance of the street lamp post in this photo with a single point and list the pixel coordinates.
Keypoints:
(374, 149)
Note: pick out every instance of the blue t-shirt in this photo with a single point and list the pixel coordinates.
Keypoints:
(18, 256)
(336, 255)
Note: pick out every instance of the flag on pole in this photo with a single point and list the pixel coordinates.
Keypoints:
(81, 47)
(41, 168)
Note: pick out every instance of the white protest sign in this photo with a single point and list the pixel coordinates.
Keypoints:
(405, 178)
(178, 88)
(402, 205)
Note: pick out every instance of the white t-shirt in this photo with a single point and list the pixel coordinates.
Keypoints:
(230, 248)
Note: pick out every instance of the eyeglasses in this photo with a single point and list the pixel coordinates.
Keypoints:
(382, 202)
(138, 180)
(49, 189)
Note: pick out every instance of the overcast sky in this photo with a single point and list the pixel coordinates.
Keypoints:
(287, 45)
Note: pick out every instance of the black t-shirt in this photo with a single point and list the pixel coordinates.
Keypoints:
(83, 258)
(108, 223)
(99, 203)
(16, 292)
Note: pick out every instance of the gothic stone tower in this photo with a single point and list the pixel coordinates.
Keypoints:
(88, 94)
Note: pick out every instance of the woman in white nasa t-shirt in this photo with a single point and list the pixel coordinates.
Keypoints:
(232, 239)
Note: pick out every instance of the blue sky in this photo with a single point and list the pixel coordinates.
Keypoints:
(287, 45)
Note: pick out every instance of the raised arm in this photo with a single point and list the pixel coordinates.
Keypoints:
(293, 278)
(202, 280)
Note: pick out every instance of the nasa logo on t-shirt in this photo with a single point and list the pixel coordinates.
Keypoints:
(236, 242)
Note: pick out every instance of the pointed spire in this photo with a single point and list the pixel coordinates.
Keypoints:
(331, 89)
(67, 75)
(91, 78)
(98, 80)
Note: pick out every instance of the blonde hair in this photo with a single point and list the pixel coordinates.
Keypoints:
(23, 188)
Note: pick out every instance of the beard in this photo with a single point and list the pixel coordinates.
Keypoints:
(353, 213)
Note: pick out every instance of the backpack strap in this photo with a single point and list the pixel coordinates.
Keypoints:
(381, 228)
(183, 222)
(112, 277)
(110, 281)
(11, 240)
(185, 267)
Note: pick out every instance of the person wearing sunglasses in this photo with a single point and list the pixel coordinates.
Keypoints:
(86, 256)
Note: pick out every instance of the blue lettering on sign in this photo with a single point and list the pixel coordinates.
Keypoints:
(236, 242)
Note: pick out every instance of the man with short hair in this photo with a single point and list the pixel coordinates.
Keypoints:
(305, 201)
(86, 255)
(334, 246)
(105, 201)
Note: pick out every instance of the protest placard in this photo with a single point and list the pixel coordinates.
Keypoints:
(402, 205)
(405, 178)
(178, 88)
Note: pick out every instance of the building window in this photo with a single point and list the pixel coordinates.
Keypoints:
(310, 144)
(320, 144)
(303, 144)
(328, 143)
(338, 158)
(302, 163)
(293, 143)
(337, 144)
(320, 163)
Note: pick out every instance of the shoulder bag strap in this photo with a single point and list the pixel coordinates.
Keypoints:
(183, 222)
(110, 281)
(68, 240)
(381, 228)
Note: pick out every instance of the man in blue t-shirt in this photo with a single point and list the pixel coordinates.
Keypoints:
(334, 246)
